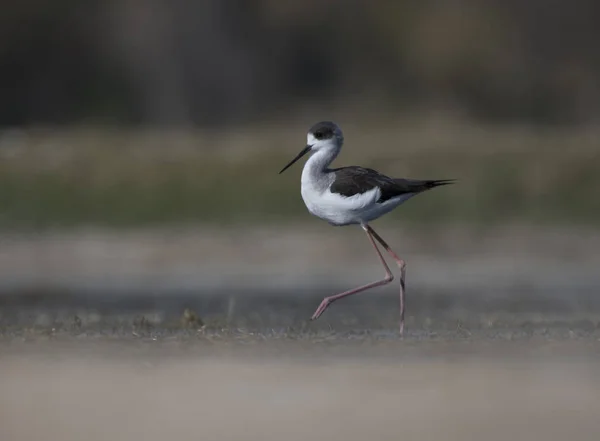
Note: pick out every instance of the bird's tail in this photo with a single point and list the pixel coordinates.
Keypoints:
(438, 182)
(420, 185)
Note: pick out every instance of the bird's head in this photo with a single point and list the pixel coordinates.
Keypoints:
(324, 135)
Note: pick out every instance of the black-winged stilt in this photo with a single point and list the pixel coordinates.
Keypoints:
(353, 195)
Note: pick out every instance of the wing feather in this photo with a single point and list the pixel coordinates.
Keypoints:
(354, 180)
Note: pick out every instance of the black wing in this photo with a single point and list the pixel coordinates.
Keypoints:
(354, 180)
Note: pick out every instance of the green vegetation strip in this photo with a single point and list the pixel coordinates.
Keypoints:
(125, 180)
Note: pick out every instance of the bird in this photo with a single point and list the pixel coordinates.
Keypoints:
(353, 195)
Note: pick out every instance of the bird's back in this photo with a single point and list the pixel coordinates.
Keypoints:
(353, 180)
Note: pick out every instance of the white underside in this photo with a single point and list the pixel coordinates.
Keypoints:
(341, 210)
(333, 207)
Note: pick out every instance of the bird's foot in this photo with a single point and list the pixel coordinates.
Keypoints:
(322, 307)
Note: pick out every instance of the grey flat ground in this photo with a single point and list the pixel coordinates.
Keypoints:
(503, 345)
(265, 373)
(543, 384)
(70, 398)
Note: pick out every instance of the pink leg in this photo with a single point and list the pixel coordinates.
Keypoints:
(402, 265)
(387, 279)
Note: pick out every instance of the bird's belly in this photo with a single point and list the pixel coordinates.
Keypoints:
(337, 209)
(342, 210)
(334, 217)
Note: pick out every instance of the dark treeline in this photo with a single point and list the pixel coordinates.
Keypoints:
(224, 61)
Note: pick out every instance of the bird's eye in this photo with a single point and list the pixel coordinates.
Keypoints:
(318, 135)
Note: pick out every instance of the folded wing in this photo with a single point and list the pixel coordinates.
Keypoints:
(353, 180)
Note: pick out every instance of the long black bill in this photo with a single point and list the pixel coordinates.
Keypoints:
(304, 151)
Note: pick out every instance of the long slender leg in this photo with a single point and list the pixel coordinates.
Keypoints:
(387, 279)
(402, 265)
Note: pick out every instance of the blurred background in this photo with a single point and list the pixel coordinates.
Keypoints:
(140, 143)
(145, 230)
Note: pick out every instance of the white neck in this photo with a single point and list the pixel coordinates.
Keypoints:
(315, 168)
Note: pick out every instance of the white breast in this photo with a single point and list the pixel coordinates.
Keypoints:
(337, 209)
(332, 207)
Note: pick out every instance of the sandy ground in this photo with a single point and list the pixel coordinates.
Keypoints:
(502, 339)
(289, 391)
(146, 374)
(124, 376)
